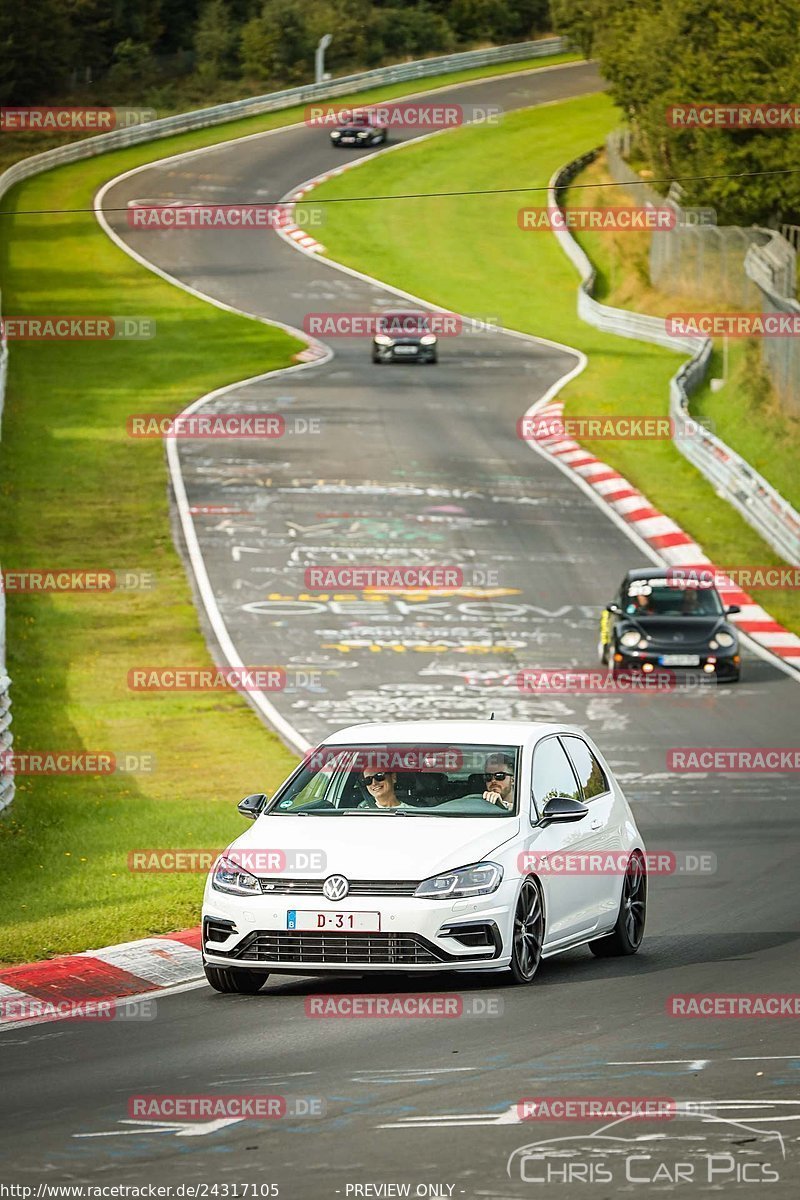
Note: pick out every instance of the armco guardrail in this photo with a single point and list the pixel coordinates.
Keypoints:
(219, 115)
(736, 481)
(252, 106)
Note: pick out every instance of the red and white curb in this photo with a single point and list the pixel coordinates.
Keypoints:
(662, 534)
(57, 988)
(293, 232)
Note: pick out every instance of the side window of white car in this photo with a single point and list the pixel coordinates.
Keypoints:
(587, 768)
(552, 774)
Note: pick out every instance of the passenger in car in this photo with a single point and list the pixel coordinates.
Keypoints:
(381, 790)
(499, 780)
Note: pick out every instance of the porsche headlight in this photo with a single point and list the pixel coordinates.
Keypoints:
(428, 340)
(724, 639)
(230, 877)
(382, 340)
(478, 880)
(631, 638)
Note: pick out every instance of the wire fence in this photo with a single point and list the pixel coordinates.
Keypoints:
(750, 269)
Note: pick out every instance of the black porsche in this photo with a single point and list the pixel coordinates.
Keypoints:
(659, 619)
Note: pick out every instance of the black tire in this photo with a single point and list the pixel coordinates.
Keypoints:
(528, 936)
(234, 979)
(433, 359)
(604, 654)
(626, 936)
(375, 358)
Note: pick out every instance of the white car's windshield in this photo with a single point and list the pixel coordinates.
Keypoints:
(403, 780)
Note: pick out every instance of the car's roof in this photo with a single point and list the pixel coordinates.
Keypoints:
(510, 733)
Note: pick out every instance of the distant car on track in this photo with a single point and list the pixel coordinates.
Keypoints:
(661, 619)
(404, 337)
(358, 131)
(449, 858)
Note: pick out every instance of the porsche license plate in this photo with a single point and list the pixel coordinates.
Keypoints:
(344, 922)
(680, 660)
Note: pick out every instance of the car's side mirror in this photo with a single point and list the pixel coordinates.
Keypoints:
(252, 805)
(561, 809)
(614, 608)
(731, 609)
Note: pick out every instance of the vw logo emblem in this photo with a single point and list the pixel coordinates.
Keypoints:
(335, 887)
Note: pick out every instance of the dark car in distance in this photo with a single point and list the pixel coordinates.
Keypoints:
(660, 618)
(358, 131)
(404, 337)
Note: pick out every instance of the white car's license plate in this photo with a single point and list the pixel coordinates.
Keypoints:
(344, 922)
(680, 660)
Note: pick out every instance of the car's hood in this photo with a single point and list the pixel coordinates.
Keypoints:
(382, 846)
(678, 631)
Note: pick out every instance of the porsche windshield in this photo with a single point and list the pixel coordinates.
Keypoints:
(669, 598)
(403, 780)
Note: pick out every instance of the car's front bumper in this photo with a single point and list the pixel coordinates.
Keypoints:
(404, 353)
(416, 935)
(716, 666)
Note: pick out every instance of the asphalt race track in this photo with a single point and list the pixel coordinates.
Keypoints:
(422, 465)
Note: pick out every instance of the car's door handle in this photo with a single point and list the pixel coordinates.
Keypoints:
(596, 823)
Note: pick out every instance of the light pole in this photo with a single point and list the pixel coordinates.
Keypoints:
(319, 57)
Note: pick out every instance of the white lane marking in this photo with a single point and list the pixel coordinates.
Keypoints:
(658, 1062)
(178, 1128)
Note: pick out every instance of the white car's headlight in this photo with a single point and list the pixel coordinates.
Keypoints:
(724, 639)
(477, 880)
(632, 637)
(428, 340)
(229, 877)
(382, 340)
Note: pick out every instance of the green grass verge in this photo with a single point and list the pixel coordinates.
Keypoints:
(75, 492)
(477, 261)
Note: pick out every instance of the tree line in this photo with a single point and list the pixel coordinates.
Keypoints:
(123, 51)
(658, 54)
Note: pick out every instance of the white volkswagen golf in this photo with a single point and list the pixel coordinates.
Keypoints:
(427, 847)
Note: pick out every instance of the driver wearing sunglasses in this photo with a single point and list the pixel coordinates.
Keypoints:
(380, 787)
(498, 778)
